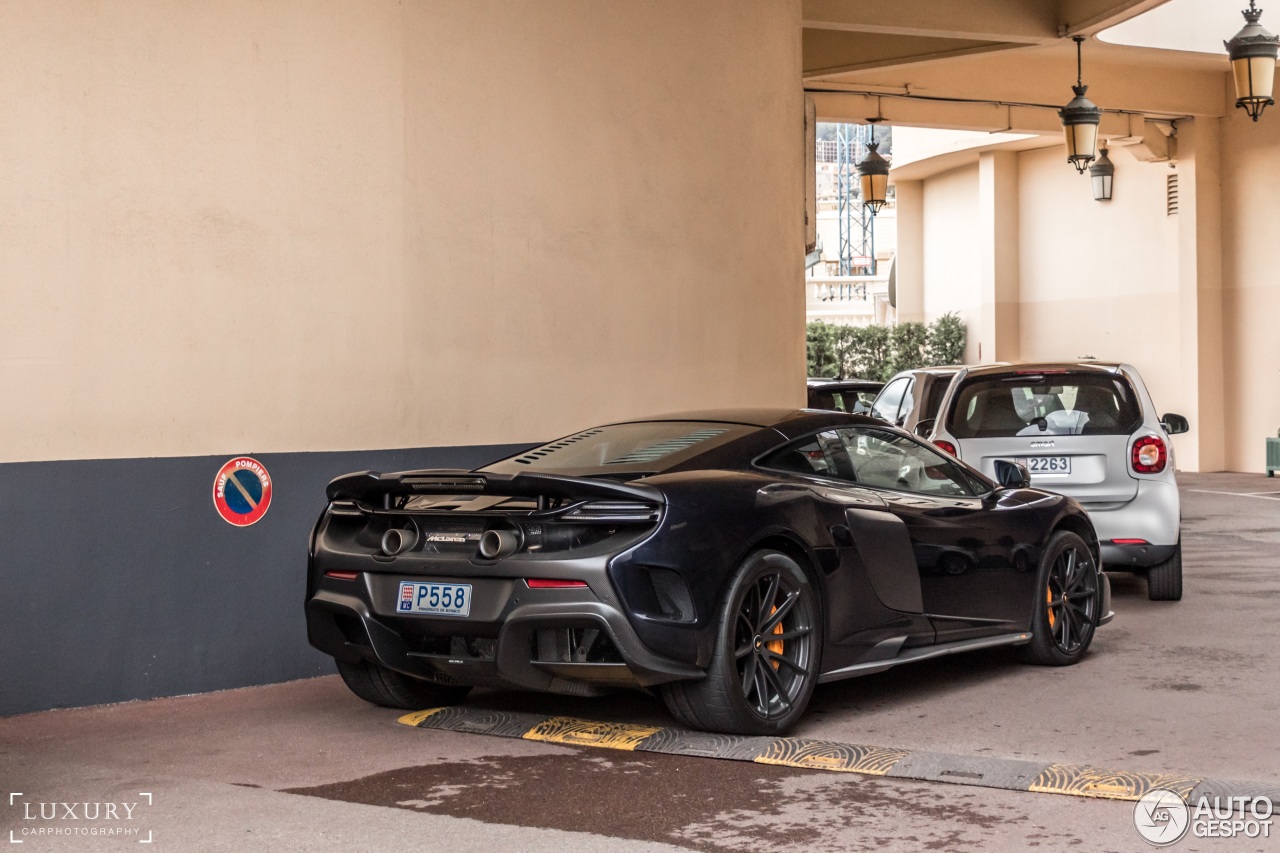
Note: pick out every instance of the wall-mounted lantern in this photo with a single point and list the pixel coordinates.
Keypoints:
(873, 175)
(1080, 120)
(1253, 53)
(1102, 173)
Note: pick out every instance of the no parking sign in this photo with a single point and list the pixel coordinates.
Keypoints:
(242, 491)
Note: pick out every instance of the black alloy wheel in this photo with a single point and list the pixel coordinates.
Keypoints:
(773, 640)
(1071, 599)
(1066, 609)
(765, 663)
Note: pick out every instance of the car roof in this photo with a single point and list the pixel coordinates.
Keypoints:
(1032, 367)
(762, 416)
(787, 421)
(835, 384)
(936, 370)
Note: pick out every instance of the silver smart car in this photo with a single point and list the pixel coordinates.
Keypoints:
(1087, 430)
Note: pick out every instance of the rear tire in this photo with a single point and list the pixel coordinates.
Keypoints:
(1068, 598)
(390, 689)
(1164, 580)
(768, 650)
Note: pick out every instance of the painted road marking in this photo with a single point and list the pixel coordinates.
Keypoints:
(831, 756)
(1266, 496)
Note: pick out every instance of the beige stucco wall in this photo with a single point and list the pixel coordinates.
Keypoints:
(1092, 279)
(1097, 278)
(1251, 286)
(244, 226)
(951, 249)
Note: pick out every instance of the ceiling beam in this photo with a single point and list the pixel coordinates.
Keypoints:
(1086, 17)
(1118, 79)
(919, 112)
(1027, 21)
(829, 52)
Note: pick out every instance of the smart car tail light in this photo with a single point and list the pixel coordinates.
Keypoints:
(945, 447)
(1149, 455)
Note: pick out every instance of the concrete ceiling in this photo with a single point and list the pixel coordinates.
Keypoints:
(996, 65)
(855, 35)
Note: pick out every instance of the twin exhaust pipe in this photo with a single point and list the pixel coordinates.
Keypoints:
(397, 540)
(494, 544)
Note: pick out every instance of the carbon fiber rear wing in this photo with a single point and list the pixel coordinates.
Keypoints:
(372, 487)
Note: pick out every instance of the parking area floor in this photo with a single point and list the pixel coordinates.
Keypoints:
(1186, 688)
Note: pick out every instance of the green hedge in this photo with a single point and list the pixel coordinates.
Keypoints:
(878, 352)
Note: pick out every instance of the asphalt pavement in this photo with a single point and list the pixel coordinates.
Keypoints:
(1188, 688)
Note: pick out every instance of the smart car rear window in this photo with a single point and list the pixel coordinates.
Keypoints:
(937, 390)
(1025, 404)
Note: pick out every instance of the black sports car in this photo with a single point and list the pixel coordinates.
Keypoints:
(729, 560)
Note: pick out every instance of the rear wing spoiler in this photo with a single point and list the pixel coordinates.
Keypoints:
(371, 487)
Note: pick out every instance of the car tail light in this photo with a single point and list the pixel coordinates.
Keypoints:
(945, 446)
(622, 512)
(342, 576)
(1149, 455)
(1129, 542)
(553, 583)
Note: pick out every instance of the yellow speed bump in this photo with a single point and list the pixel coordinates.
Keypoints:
(574, 732)
(825, 755)
(1072, 780)
(1083, 781)
(415, 718)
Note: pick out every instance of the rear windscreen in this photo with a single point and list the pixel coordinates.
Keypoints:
(1044, 404)
(933, 402)
(649, 446)
(841, 400)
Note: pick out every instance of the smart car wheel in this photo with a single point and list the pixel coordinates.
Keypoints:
(391, 689)
(765, 663)
(1066, 610)
(1164, 580)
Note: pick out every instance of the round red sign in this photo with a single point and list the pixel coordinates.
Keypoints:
(242, 491)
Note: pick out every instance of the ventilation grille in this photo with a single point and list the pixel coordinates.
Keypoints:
(545, 450)
(1171, 194)
(673, 445)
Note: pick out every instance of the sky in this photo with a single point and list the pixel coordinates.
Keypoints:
(1193, 25)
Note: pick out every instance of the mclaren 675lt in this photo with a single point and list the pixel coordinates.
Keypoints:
(729, 561)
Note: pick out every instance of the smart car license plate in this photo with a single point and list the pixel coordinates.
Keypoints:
(438, 599)
(1047, 464)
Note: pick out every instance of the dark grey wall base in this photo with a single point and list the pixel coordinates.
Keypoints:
(120, 581)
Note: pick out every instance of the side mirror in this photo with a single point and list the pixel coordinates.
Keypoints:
(1174, 424)
(925, 427)
(1012, 475)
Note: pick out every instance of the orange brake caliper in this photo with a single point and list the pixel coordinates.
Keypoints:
(1048, 597)
(775, 646)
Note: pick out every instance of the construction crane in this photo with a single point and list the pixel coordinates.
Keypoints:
(857, 234)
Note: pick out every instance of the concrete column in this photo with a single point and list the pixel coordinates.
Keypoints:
(909, 264)
(998, 333)
(1200, 295)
